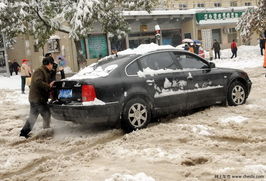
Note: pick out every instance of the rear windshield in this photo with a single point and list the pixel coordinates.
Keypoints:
(101, 69)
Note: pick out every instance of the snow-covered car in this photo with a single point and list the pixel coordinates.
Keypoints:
(132, 90)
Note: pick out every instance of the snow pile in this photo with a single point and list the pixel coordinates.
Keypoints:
(235, 119)
(247, 57)
(201, 130)
(126, 177)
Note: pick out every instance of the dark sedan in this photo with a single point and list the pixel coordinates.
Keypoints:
(132, 89)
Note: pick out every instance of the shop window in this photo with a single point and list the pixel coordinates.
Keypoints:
(232, 34)
(217, 5)
(182, 6)
(118, 44)
(233, 3)
(187, 35)
(216, 35)
(199, 35)
(247, 3)
(135, 39)
(200, 5)
(53, 45)
(143, 28)
(171, 37)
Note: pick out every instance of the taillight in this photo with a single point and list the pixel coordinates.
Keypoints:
(88, 93)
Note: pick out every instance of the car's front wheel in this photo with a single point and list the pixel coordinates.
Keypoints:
(236, 94)
(136, 115)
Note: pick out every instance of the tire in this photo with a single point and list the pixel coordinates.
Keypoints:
(237, 94)
(136, 115)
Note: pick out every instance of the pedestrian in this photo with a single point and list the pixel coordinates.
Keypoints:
(15, 66)
(186, 47)
(262, 45)
(25, 72)
(196, 48)
(234, 49)
(216, 47)
(38, 96)
(191, 48)
(54, 69)
(10, 66)
(61, 65)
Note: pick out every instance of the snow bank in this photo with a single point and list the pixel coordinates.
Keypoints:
(247, 57)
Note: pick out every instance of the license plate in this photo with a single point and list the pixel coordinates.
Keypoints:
(65, 93)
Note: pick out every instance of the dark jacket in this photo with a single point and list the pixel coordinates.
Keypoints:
(262, 43)
(15, 66)
(216, 46)
(40, 88)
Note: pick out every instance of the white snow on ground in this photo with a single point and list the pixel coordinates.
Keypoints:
(126, 177)
(235, 119)
(247, 57)
(12, 82)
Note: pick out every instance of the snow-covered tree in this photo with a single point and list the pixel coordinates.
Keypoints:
(254, 20)
(42, 18)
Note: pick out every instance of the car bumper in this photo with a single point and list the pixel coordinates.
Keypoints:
(93, 114)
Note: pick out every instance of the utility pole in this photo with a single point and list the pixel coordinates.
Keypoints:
(6, 56)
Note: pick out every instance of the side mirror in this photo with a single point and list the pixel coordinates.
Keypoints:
(212, 65)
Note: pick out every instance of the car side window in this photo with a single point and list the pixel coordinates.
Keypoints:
(190, 62)
(156, 61)
(133, 68)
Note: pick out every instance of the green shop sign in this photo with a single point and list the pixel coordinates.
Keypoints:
(217, 16)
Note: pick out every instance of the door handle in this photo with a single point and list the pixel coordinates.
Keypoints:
(189, 77)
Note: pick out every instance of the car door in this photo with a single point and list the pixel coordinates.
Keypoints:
(205, 84)
(166, 80)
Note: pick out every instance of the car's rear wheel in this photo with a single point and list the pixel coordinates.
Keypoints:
(237, 94)
(136, 115)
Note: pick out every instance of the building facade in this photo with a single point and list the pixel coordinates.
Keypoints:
(201, 4)
(175, 25)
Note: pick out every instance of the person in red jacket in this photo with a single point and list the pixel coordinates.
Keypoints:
(234, 49)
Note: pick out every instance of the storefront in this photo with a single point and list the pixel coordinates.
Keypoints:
(218, 25)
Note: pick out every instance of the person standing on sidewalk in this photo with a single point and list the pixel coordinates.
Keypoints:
(262, 45)
(15, 66)
(216, 47)
(38, 96)
(234, 49)
(25, 72)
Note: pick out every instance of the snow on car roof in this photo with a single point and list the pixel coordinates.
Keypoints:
(145, 48)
